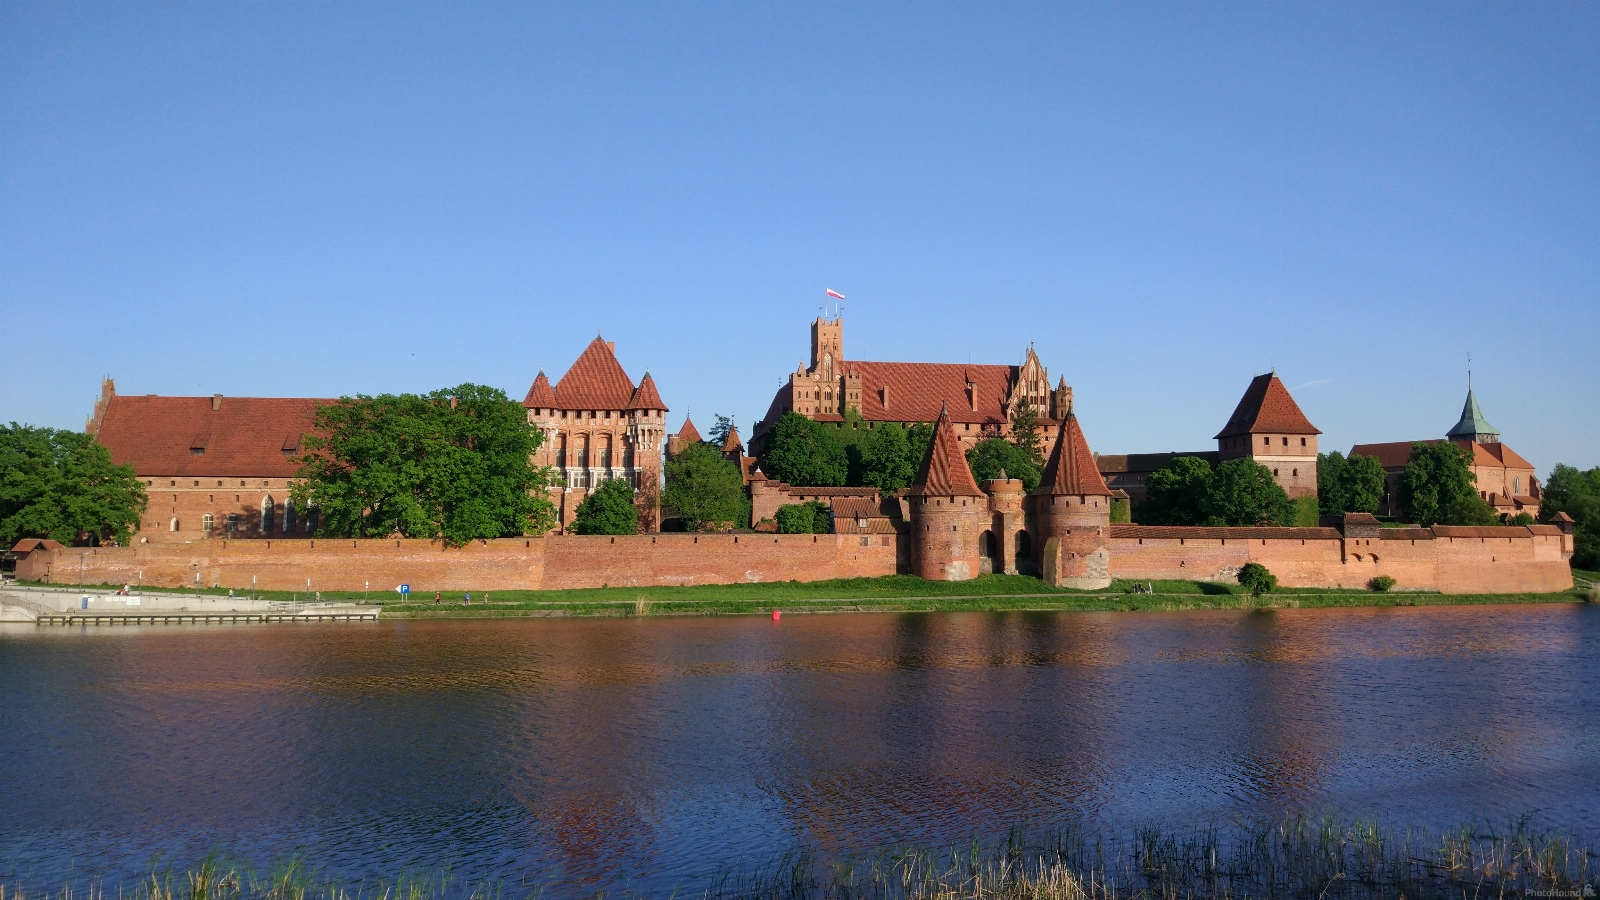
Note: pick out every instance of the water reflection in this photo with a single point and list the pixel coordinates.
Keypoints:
(641, 754)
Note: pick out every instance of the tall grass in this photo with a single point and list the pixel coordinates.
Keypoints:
(1302, 857)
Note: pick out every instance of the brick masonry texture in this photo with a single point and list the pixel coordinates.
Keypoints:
(550, 563)
(1513, 560)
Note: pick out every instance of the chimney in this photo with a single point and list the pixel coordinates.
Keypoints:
(612, 346)
(883, 396)
(216, 402)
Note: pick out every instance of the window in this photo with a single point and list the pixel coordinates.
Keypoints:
(206, 522)
(1286, 442)
(1274, 473)
(1516, 485)
(267, 510)
(288, 518)
(173, 525)
(1266, 442)
(233, 523)
(1295, 472)
(1302, 442)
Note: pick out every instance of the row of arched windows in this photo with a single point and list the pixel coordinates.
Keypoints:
(267, 524)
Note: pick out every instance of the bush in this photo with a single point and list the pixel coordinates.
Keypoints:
(1119, 512)
(1521, 518)
(1257, 580)
(804, 518)
(1307, 514)
(1380, 584)
(609, 510)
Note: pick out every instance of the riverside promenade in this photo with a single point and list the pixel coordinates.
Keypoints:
(64, 606)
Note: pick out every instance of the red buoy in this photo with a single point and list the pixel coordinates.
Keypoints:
(776, 615)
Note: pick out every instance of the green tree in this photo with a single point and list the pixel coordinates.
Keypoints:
(1438, 487)
(1176, 493)
(1025, 433)
(1257, 579)
(920, 437)
(1575, 492)
(887, 462)
(805, 453)
(706, 490)
(1187, 491)
(719, 431)
(988, 459)
(62, 484)
(1348, 485)
(812, 517)
(609, 510)
(453, 465)
(1243, 492)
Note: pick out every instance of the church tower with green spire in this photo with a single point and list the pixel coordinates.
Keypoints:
(1473, 426)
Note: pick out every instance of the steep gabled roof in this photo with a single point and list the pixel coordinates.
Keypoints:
(645, 396)
(241, 437)
(688, 432)
(595, 381)
(944, 471)
(1071, 468)
(732, 444)
(1267, 406)
(540, 396)
(1472, 423)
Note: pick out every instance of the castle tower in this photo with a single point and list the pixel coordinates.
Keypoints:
(1268, 427)
(1072, 514)
(1005, 541)
(827, 351)
(947, 510)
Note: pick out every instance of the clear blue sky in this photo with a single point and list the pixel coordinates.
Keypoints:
(322, 199)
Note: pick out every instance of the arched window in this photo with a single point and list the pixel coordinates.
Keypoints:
(1516, 485)
(311, 520)
(986, 546)
(173, 525)
(288, 518)
(233, 523)
(1024, 546)
(267, 514)
(206, 522)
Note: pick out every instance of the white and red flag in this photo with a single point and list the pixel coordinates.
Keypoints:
(834, 293)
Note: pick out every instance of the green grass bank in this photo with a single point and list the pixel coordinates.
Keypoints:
(891, 593)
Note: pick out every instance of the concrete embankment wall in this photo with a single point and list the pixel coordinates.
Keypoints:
(1451, 560)
(568, 561)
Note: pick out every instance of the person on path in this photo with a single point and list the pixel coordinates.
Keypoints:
(469, 598)
(435, 598)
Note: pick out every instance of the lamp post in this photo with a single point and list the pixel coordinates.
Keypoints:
(81, 555)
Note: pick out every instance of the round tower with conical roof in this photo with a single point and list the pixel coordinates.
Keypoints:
(947, 510)
(1072, 514)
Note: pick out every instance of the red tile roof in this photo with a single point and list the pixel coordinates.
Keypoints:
(540, 396)
(28, 545)
(732, 443)
(944, 471)
(645, 396)
(1390, 455)
(688, 432)
(595, 381)
(1480, 531)
(917, 391)
(1071, 468)
(1394, 454)
(1267, 407)
(244, 437)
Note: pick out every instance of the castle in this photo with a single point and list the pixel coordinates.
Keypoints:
(220, 468)
(979, 400)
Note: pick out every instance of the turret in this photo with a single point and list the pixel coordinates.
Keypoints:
(1006, 524)
(947, 510)
(1072, 514)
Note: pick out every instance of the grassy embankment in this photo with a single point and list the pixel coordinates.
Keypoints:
(892, 593)
(1326, 858)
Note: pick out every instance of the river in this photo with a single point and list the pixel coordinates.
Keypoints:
(642, 754)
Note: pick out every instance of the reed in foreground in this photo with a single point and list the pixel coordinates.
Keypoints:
(1303, 858)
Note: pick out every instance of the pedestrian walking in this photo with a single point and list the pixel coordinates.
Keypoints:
(436, 598)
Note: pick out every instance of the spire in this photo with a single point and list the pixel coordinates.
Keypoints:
(1071, 468)
(1473, 426)
(540, 396)
(595, 381)
(944, 471)
(645, 396)
(732, 444)
(688, 432)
